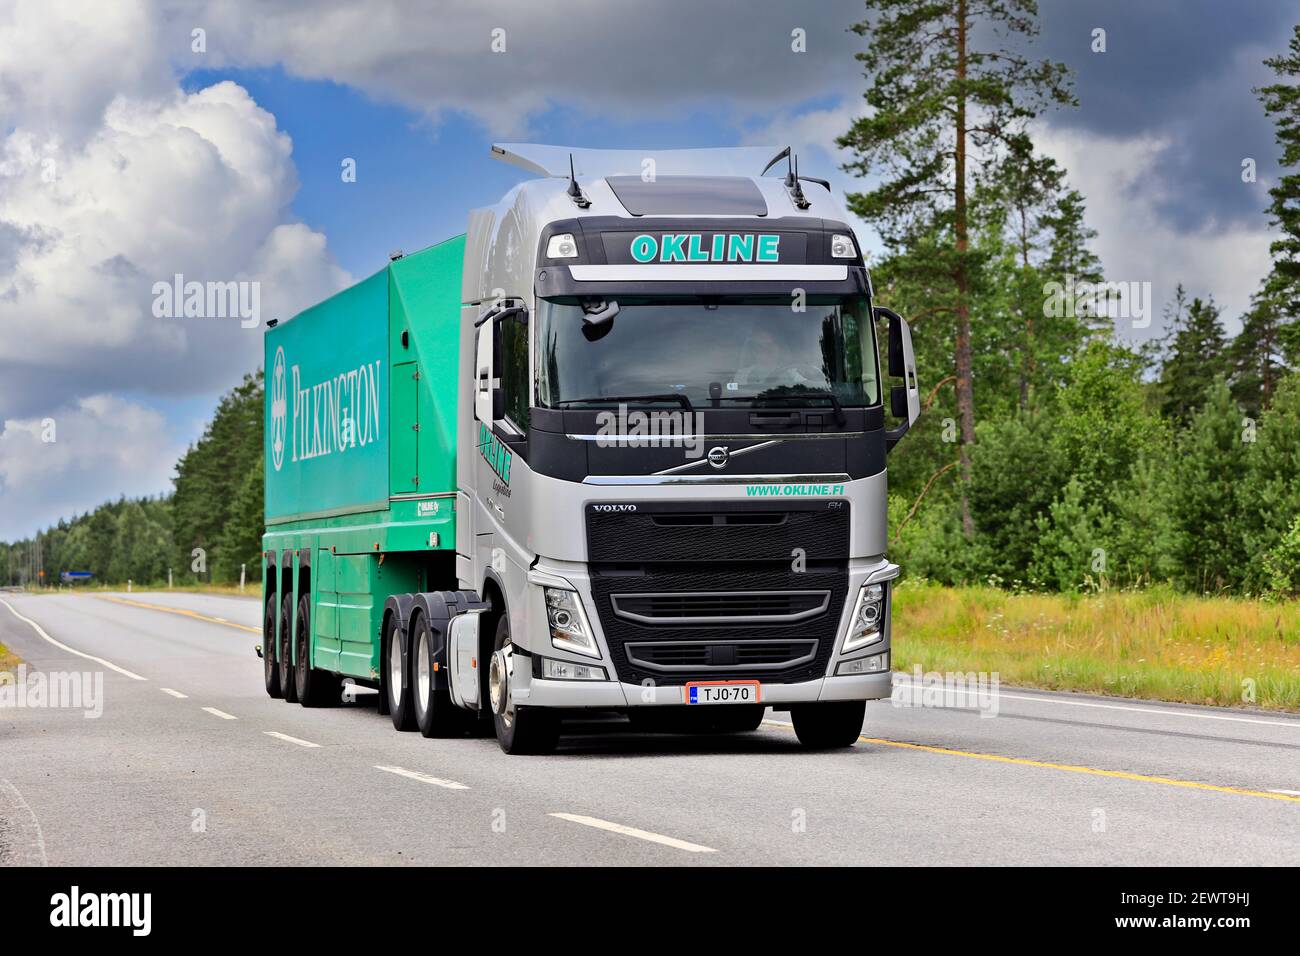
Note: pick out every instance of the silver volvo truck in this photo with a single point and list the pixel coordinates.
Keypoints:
(676, 508)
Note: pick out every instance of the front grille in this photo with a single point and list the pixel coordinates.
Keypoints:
(709, 591)
(734, 607)
(669, 656)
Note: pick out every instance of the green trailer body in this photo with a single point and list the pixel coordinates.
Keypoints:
(361, 452)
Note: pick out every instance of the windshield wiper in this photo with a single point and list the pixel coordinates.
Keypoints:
(680, 397)
(840, 418)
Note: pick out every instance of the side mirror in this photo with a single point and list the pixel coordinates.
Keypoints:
(489, 398)
(904, 399)
(898, 401)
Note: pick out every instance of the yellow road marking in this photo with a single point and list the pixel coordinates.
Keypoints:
(178, 610)
(1069, 768)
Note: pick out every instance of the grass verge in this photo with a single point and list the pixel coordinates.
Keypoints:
(8, 659)
(1155, 644)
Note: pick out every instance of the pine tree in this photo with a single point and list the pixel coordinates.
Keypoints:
(944, 105)
(1256, 353)
(1282, 102)
(1196, 356)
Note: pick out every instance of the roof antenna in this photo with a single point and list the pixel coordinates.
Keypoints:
(792, 184)
(775, 159)
(574, 192)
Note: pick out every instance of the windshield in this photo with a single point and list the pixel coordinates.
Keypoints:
(722, 352)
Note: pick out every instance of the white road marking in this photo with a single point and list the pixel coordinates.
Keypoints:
(1289, 793)
(293, 740)
(220, 713)
(64, 647)
(634, 832)
(1152, 710)
(175, 693)
(36, 824)
(423, 777)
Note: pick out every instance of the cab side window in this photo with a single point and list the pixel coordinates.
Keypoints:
(513, 365)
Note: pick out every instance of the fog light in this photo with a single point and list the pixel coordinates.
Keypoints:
(876, 664)
(565, 670)
(562, 247)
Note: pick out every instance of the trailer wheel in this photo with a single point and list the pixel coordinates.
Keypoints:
(284, 658)
(830, 724)
(396, 658)
(270, 670)
(520, 730)
(315, 688)
(435, 714)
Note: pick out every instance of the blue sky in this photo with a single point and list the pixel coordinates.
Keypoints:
(130, 155)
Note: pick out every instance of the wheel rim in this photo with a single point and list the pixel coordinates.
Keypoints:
(423, 675)
(394, 669)
(499, 673)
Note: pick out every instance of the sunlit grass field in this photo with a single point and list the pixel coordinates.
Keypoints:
(8, 659)
(1154, 643)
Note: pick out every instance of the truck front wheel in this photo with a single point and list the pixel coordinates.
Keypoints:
(520, 730)
(829, 724)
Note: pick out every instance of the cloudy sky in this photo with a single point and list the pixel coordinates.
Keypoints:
(131, 152)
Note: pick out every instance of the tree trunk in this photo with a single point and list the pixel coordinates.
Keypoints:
(965, 389)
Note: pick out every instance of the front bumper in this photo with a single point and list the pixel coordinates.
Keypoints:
(612, 695)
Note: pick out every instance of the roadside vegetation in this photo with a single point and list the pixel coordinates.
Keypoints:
(1153, 643)
(8, 659)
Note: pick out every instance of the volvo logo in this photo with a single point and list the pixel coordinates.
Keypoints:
(718, 457)
(614, 507)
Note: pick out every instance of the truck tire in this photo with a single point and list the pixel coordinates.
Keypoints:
(520, 730)
(435, 714)
(395, 664)
(315, 688)
(283, 656)
(830, 724)
(270, 670)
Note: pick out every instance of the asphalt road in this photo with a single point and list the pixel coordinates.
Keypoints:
(191, 763)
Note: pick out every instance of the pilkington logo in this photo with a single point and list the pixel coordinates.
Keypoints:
(333, 415)
(279, 410)
(720, 247)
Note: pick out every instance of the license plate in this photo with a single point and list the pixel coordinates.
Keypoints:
(723, 692)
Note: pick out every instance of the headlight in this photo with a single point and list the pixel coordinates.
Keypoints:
(866, 626)
(569, 628)
(561, 246)
(842, 248)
